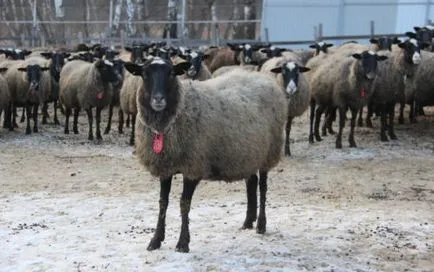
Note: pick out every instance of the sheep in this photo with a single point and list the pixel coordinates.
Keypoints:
(5, 96)
(197, 69)
(388, 87)
(343, 83)
(249, 53)
(419, 89)
(24, 79)
(188, 127)
(127, 97)
(85, 85)
(291, 79)
(223, 57)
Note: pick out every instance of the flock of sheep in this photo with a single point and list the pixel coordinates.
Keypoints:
(219, 113)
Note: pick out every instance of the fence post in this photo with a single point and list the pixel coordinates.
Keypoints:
(267, 38)
(122, 38)
(372, 28)
(110, 18)
(320, 31)
(80, 37)
(34, 22)
(315, 33)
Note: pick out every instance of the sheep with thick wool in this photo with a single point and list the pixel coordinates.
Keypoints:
(189, 127)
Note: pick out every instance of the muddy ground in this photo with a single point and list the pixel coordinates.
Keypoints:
(67, 204)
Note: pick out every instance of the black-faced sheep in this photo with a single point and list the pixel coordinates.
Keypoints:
(197, 69)
(85, 86)
(343, 83)
(188, 127)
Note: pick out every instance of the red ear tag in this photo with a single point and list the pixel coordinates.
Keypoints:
(158, 143)
(363, 93)
(100, 95)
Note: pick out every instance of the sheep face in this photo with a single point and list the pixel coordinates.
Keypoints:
(424, 35)
(320, 47)
(111, 54)
(196, 59)
(385, 43)
(290, 72)
(273, 51)
(158, 76)
(17, 54)
(411, 49)
(108, 72)
(247, 50)
(369, 63)
(136, 53)
(33, 76)
(58, 60)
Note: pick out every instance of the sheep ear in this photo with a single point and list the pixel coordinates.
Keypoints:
(180, 68)
(22, 69)
(265, 50)
(3, 69)
(396, 40)
(66, 55)
(133, 68)
(411, 35)
(27, 52)
(417, 28)
(401, 45)
(47, 55)
(303, 69)
(282, 50)
(276, 70)
(206, 56)
(381, 58)
(357, 56)
(45, 68)
(313, 46)
(129, 49)
(329, 45)
(373, 40)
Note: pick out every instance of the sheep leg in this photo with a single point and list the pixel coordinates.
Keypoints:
(98, 122)
(35, 117)
(127, 123)
(288, 131)
(133, 129)
(14, 116)
(252, 201)
(159, 235)
(312, 116)
(369, 115)
(360, 119)
(45, 113)
(262, 220)
(75, 124)
(90, 120)
(391, 128)
(185, 203)
(318, 113)
(330, 119)
(23, 116)
(7, 122)
(401, 113)
(121, 121)
(109, 123)
(383, 136)
(353, 125)
(56, 120)
(412, 113)
(29, 115)
(342, 112)
(67, 114)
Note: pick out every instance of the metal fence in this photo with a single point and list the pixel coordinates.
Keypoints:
(119, 22)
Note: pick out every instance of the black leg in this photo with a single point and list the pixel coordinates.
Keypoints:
(369, 115)
(262, 220)
(35, 117)
(383, 136)
(312, 117)
(75, 124)
(121, 121)
(185, 203)
(7, 122)
(133, 129)
(401, 113)
(391, 128)
(288, 131)
(352, 127)
(90, 120)
(252, 202)
(23, 116)
(342, 112)
(14, 115)
(127, 123)
(319, 111)
(109, 123)
(412, 113)
(159, 235)
(98, 123)
(45, 113)
(360, 118)
(56, 120)
(330, 120)
(67, 114)
(29, 116)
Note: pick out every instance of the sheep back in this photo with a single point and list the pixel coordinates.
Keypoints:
(206, 141)
(128, 93)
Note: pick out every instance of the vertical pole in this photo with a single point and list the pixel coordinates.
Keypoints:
(320, 31)
(372, 28)
(427, 11)
(34, 22)
(111, 16)
(183, 15)
(267, 38)
(341, 20)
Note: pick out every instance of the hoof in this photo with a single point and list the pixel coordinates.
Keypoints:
(56, 122)
(106, 131)
(338, 145)
(360, 123)
(353, 145)
(401, 120)
(182, 248)
(35, 129)
(75, 131)
(90, 138)
(28, 131)
(393, 137)
(154, 244)
(332, 132)
(318, 138)
(247, 225)
(66, 131)
(311, 139)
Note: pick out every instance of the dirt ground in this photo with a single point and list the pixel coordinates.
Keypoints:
(67, 204)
